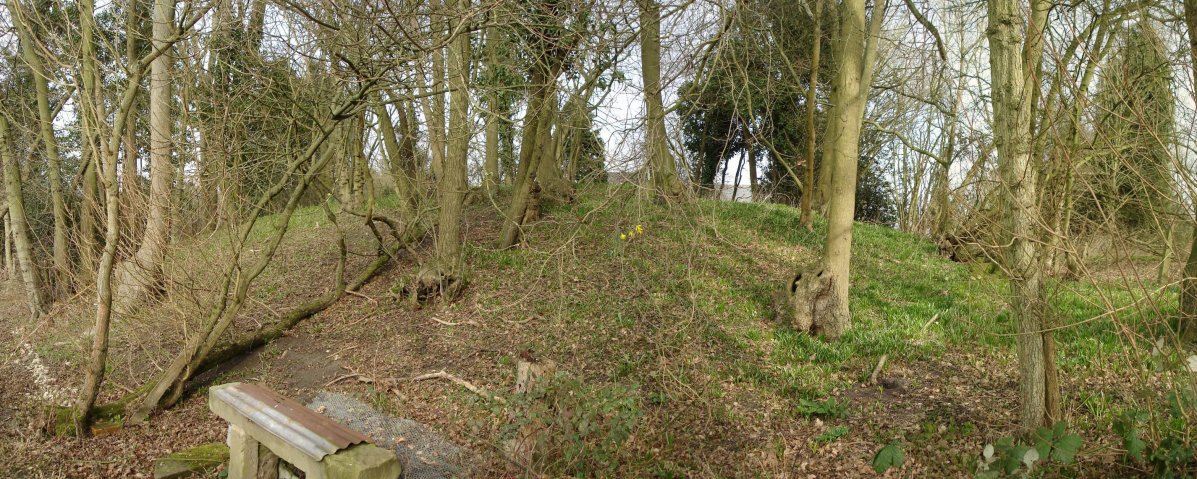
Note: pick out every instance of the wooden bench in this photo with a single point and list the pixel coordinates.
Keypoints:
(263, 422)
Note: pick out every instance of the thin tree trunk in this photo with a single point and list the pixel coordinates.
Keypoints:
(19, 223)
(529, 156)
(130, 180)
(1165, 269)
(433, 103)
(831, 132)
(549, 174)
(257, 22)
(1012, 136)
(395, 160)
(808, 176)
(41, 85)
(89, 106)
(89, 206)
(490, 175)
(752, 173)
(736, 183)
(661, 163)
(9, 267)
(410, 128)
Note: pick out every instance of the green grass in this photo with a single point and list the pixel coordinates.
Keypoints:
(721, 261)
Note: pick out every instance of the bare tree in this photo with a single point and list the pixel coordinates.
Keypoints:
(137, 277)
(819, 293)
(1015, 48)
(18, 223)
(41, 83)
(661, 163)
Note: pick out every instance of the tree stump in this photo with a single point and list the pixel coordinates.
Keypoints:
(529, 374)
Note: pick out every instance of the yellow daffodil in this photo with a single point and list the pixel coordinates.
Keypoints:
(623, 236)
(639, 229)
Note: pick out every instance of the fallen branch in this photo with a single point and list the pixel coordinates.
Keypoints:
(293, 317)
(460, 382)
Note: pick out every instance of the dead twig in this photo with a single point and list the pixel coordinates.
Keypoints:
(447, 323)
(360, 295)
(930, 321)
(341, 378)
(877, 370)
(521, 322)
(460, 382)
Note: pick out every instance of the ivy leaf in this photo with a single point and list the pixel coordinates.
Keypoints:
(889, 456)
(1066, 448)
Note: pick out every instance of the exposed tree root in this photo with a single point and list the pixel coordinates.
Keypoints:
(431, 284)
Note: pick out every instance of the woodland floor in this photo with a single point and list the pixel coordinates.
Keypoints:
(674, 320)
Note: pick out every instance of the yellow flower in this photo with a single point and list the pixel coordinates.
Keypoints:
(639, 229)
(623, 236)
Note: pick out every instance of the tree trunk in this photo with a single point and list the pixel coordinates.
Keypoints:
(752, 173)
(137, 277)
(433, 103)
(530, 155)
(662, 165)
(89, 206)
(1012, 137)
(549, 175)
(9, 267)
(808, 174)
(105, 160)
(1188, 285)
(130, 179)
(822, 188)
(446, 277)
(735, 192)
(849, 100)
(395, 160)
(41, 85)
(855, 52)
(490, 174)
(19, 223)
(1165, 269)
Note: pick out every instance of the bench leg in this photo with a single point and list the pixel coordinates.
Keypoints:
(243, 454)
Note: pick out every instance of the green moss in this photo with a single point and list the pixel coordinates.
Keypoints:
(192, 462)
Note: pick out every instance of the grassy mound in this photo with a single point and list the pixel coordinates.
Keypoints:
(657, 317)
